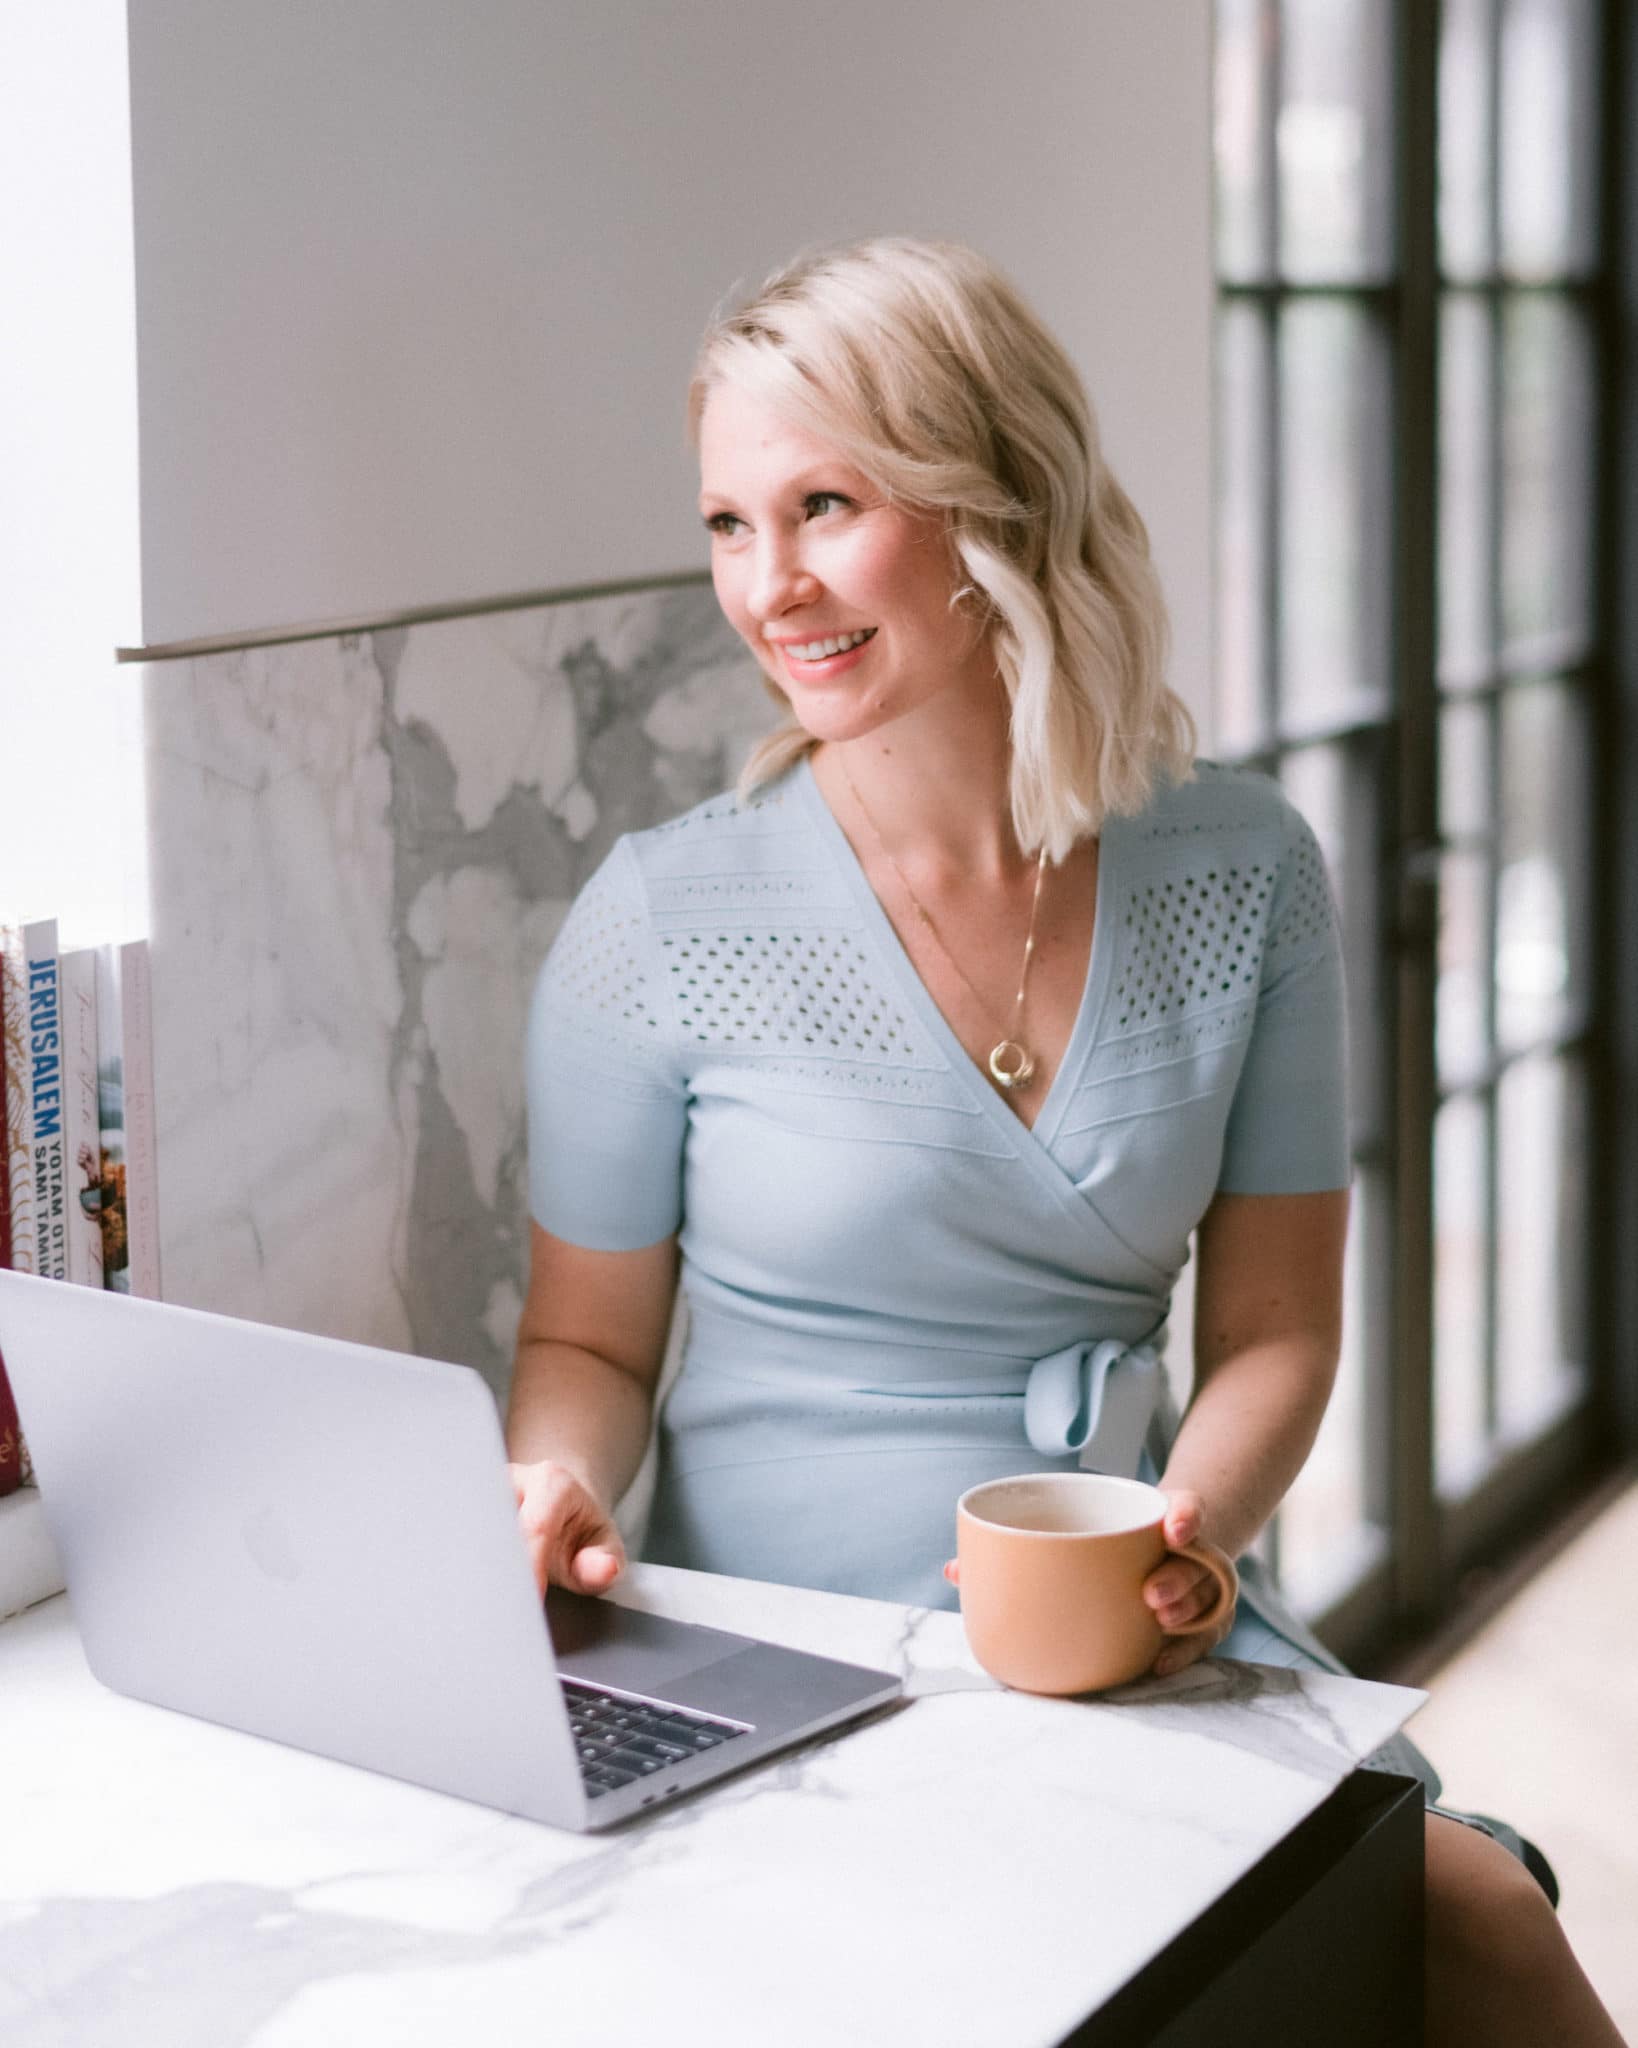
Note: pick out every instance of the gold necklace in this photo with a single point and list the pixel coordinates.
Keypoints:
(1011, 1064)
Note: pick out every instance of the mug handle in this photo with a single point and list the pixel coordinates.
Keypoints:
(1221, 1567)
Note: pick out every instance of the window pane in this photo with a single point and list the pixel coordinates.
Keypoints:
(1240, 74)
(1547, 439)
(1334, 439)
(1549, 137)
(1461, 1028)
(1335, 145)
(1460, 1239)
(1243, 435)
(1541, 1236)
(1466, 491)
(1326, 1538)
(1464, 139)
(1542, 958)
(1464, 771)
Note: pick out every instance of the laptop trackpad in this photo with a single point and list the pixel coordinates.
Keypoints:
(628, 1650)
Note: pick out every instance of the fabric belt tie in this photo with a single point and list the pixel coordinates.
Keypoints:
(1095, 1399)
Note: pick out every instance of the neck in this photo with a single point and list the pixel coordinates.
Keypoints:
(940, 796)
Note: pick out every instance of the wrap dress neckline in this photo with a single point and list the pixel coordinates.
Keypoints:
(1034, 1142)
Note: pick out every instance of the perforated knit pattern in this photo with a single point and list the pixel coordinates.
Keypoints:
(1191, 940)
(1307, 913)
(599, 964)
(783, 989)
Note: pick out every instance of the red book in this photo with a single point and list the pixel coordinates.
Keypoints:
(5, 1168)
(11, 1439)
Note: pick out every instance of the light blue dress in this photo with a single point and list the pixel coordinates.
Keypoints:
(729, 1041)
(896, 1289)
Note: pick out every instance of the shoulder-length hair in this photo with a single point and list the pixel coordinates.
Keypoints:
(922, 366)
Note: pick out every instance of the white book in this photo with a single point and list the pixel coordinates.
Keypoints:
(45, 1058)
(82, 1140)
(18, 1161)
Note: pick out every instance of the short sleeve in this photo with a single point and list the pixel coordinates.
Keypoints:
(607, 1107)
(1287, 1129)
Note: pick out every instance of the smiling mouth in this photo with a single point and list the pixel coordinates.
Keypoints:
(811, 651)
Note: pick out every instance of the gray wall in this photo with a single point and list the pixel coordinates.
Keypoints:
(418, 285)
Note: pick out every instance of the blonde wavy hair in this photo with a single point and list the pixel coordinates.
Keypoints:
(923, 367)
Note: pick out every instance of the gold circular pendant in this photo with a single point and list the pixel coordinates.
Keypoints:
(1010, 1064)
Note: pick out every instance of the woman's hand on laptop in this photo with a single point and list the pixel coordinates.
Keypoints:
(572, 1539)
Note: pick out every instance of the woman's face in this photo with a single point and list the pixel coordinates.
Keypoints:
(842, 596)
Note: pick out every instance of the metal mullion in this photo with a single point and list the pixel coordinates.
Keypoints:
(1411, 813)
(1491, 287)
(1612, 1319)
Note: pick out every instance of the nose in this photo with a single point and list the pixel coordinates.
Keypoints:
(780, 579)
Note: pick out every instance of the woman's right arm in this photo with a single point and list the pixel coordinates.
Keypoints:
(591, 1342)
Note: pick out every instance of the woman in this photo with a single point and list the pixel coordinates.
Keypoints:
(924, 1055)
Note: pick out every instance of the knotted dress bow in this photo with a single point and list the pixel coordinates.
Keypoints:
(1097, 1399)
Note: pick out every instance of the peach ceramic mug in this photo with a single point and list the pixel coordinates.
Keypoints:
(1052, 1566)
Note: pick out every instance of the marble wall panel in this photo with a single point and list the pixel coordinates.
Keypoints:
(360, 850)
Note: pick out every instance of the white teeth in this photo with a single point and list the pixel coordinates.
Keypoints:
(822, 650)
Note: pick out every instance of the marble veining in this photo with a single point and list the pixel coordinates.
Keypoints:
(360, 851)
(163, 1881)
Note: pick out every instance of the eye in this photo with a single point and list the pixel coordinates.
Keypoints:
(722, 523)
(817, 502)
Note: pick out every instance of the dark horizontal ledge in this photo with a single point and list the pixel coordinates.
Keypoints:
(409, 615)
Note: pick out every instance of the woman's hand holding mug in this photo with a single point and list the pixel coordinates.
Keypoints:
(1065, 1578)
(571, 1537)
(1182, 1589)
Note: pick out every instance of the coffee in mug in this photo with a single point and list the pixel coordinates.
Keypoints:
(1052, 1566)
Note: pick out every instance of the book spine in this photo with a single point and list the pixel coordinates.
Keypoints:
(141, 1149)
(5, 1159)
(82, 1143)
(11, 1439)
(116, 1239)
(45, 1048)
(18, 1163)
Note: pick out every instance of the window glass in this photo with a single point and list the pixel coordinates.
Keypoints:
(1334, 140)
(1467, 483)
(1243, 435)
(1540, 1242)
(1461, 1232)
(1464, 771)
(1461, 1028)
(1334, 451)
(1240, 73)
(1547, 439)
(1549, 137)
(1542, 889)
(1465, 224)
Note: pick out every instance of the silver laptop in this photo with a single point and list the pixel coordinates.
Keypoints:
(318, 1542)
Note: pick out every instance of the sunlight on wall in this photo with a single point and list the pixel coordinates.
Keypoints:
(71, 827)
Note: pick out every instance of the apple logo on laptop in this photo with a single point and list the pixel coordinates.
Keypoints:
(268, 1542)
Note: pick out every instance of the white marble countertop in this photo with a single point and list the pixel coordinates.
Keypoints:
(979, 1867)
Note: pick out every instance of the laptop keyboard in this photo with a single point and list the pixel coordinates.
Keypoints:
(620, 1740)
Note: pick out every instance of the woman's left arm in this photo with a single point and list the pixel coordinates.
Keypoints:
(1268, 1333)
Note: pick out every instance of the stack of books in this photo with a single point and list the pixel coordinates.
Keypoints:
(78, 1182)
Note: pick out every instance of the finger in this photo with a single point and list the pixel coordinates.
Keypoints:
(1171, 1583)
(952, 1571)
(1184, 1518)
(596, 1568)
(1189, 1606)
